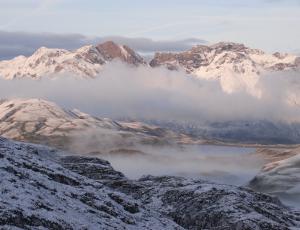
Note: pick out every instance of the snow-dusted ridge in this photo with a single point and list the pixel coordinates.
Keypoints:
(44, 122)
(87, 61)
(235, 65)
(42, 188)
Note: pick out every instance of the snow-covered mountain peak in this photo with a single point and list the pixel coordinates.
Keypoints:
(49, 51)
(87, 61)
(235, 65)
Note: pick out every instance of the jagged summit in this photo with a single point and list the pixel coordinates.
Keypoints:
(111, 50)
(87, 61)
(222, 53)
(227, 61)
(235, 65)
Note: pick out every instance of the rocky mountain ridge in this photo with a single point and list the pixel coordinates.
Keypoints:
(46, 188)
(202, 56)
(224, 61)
(85, 62)
(235, 65)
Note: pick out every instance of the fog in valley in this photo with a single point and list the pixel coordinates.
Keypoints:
(160, 94)
(229, 165)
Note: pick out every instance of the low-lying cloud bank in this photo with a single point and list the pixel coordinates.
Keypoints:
(156, 93)
(230, 165)
(13, 44)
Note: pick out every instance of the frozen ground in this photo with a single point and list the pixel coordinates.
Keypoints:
(42, 188)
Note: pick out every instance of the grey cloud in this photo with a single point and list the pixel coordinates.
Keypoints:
(22, 43)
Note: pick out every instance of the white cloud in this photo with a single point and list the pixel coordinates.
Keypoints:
(122, 91)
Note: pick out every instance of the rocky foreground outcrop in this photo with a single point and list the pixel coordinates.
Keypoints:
(43, 189)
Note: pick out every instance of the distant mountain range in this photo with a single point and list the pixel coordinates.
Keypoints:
(87, 61)
(234, 65)
(218, 61)
(224, 58)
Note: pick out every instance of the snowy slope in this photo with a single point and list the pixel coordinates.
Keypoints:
(39, 193)
(44, 122)
(45, 190)
(88, 61)
(41, 121)
(235, 65)
(22, 118)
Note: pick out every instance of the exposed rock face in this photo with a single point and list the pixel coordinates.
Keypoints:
(111, 50)
(87, 61)
(196, 204)
(43, 189)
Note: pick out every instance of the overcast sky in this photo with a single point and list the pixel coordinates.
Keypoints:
(267, 24)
